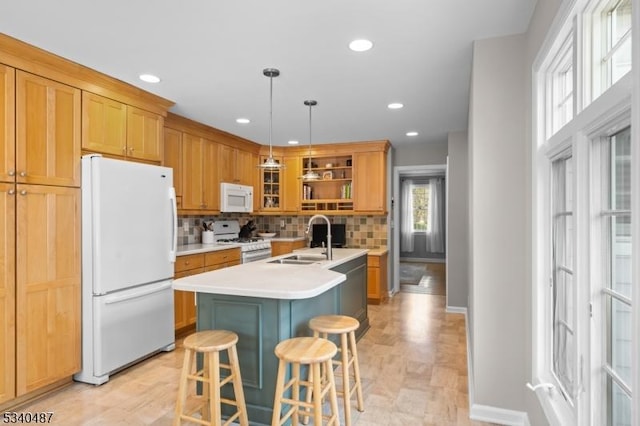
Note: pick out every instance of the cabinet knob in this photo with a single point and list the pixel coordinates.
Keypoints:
(124, 149)
(23, 174)
(12, 173)
(11, 192)
(23, 192)
(131, 150)
(186, 263)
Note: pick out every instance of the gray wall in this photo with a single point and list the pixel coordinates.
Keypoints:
(497, 155)
(500, 200)
(458, 220)
(422, 154)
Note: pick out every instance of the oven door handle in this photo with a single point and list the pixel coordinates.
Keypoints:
(252, 256)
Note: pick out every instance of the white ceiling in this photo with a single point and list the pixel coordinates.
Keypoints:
(210, 55)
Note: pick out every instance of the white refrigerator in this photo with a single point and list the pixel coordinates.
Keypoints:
(129, 237)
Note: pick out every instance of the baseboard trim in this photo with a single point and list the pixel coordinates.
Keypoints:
(501, 416)
(457, 310)
(486, 413)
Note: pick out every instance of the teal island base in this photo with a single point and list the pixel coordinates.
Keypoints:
(261, 323)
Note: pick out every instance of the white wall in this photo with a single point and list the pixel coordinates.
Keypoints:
(458, 231)
(497, 158)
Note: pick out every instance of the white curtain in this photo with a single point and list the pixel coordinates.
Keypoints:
(435, 236)
(406, 209)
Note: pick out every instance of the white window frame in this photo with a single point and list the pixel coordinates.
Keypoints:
(427, 213)
(598, 118)
(598, 47)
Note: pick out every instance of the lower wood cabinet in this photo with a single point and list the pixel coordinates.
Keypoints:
(284, 247)
(184, 301)
(377, 289)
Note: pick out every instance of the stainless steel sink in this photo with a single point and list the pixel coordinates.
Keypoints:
(287, 261)
(311, 257)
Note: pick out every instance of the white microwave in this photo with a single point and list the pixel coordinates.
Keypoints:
(236, 198)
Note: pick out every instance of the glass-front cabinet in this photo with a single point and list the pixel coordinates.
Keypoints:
(333, 191)
(270, 181)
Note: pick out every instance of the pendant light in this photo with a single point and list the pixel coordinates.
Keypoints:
(310, 174)
(270, 163)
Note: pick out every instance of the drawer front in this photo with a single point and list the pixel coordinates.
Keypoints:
(222, 256)
(193, 261)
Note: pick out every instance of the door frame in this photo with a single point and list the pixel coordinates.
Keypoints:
(398, 173)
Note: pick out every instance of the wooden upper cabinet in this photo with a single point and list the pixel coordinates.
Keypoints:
(237, 165)
(47, 285)
(7, 291)
(228, 161)
(7, 124)
(173, 158)
(200, 185)
(104, 125)
(144, 134)
(247, 168)
(114, 128)
(291, 184)
(210, 182)
(47, 131)
(369, 182)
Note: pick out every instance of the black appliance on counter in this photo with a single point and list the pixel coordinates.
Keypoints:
(319, 235)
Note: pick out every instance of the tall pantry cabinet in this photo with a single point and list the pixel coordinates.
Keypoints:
(39, 232)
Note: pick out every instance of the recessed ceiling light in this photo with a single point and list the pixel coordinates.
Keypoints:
(149, 78)
(361, 45)
(293, 142)
(395, 105)
(412, 133)
(243, 121)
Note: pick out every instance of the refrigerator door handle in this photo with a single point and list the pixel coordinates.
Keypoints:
(135, 295)
(174, 218)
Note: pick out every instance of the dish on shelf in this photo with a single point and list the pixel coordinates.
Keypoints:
(266, 234)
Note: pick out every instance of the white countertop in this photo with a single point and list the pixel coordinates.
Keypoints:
(273, 280)
(203, 248)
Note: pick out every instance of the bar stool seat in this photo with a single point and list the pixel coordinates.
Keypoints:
(345, 327)
(314, 352)
(210, 343)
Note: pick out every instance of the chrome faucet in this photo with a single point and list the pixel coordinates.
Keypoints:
(329, 251)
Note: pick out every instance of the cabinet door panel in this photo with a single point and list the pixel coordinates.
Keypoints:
(369, 182)
(227, 159)
(173, 157)
(104, 125)
(192, 162)
(47, 285)
(210, 182)
(7, 292)
(247, 170)
(7, 124)
(291, 185)
(144, 134)
(47, 131)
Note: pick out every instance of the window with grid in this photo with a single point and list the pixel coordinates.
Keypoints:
(561, 87)
(614, 283)
(420, 194)
(563, 285)
(611, 43)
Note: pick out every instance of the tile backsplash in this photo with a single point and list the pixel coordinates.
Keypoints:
(361, 231)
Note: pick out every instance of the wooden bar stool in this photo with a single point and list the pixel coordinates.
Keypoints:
(210, 343)
(344, 327)
(314, 352)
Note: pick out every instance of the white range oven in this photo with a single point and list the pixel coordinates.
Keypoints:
(251, 249)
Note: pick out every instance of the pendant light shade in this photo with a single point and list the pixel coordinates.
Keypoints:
(310, 174)
(270, 163)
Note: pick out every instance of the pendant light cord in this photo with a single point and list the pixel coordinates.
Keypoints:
(270, 113)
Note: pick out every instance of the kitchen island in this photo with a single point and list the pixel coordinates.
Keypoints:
(265, 303)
